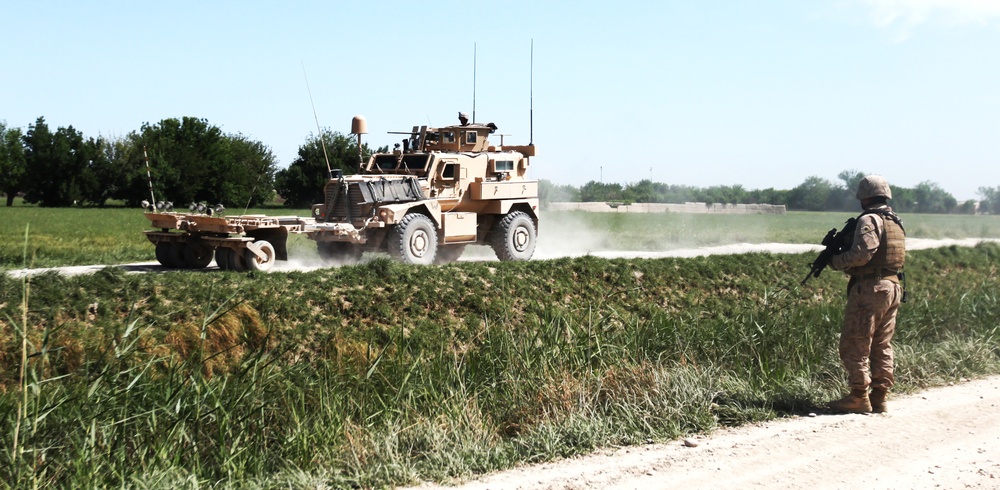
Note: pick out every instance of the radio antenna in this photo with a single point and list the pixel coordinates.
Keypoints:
(473, 83)
(531, 96)
(322, 140)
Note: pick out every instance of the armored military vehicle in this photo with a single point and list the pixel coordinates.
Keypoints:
(439, 190)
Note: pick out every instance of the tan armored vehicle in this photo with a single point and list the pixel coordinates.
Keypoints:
(438, 191)
(441, 190)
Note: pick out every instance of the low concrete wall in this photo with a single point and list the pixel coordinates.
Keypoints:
(688, 207)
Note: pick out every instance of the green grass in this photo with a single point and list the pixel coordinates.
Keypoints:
(75, 236)
(383, 374)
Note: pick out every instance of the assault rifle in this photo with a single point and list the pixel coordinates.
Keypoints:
(835, 242)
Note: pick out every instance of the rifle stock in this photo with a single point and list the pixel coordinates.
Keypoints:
(835, 242)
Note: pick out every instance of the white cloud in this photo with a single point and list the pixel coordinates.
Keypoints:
(901, 17)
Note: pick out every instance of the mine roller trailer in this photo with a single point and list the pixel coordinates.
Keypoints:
(238, 243)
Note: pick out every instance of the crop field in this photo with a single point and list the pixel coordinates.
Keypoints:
(382, 374)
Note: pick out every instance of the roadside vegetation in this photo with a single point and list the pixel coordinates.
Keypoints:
(382, 374)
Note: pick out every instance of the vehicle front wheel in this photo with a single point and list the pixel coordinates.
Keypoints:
(414, 240)
(514, 237)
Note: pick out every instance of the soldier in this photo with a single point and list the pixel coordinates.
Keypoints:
(874, 263)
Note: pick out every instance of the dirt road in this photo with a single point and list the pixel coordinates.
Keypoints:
(943, 438)
(545, 251)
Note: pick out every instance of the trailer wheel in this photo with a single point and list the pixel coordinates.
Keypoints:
(197, 255)
(414, 240)
(514, 237)
(449, 253)
(255, 263)
(339, 253)
(170, 254)
(222, 257)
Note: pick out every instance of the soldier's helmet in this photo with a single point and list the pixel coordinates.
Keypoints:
(872, 186)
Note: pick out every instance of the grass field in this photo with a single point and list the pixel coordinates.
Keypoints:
(381, 374)
(85, 236)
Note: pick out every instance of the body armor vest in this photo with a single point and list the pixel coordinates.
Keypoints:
(888, 259)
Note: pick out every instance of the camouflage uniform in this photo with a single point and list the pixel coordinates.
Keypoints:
(873, 299)
(874, 262)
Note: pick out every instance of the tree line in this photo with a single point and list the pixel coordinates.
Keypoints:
(814, 194)
(187, 160)
(190, 160)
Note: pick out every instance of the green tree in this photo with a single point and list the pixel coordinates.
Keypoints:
(903, 199)
(594, 191)
(931, 198)
(849, 198)
(989, 200)
(193, 161)
(249, 166)
(54, 162)
(642, 191)
(549, 192)
(12, 163)
(301, 184)
(811, 195)
(105, 175)
(184, 156)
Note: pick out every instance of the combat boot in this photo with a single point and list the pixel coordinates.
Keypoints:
(877, 399)
(855, 402)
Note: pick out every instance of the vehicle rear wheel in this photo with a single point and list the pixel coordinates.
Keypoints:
(170, 254)
(339, 253)
(514, 237)
(222, 257)
(197, 255)
(256, 263)
(449, 253)
(414, 240)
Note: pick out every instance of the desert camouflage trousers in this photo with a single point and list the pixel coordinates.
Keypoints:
(869, 322)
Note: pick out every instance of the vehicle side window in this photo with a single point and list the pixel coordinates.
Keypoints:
(470, 137)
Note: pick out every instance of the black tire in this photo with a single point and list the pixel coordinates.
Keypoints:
(414, 240)
(255, 263)
(237, 260)
(197, 255)
(339, 253)
(222, 257)
(447, 254)
(514, 237)
(170, 254)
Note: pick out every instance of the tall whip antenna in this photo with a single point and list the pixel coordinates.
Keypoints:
(322, 140)
(531, 96)
(473, 83)
(149, 178)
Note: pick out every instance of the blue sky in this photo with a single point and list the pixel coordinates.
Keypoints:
(760, 94)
